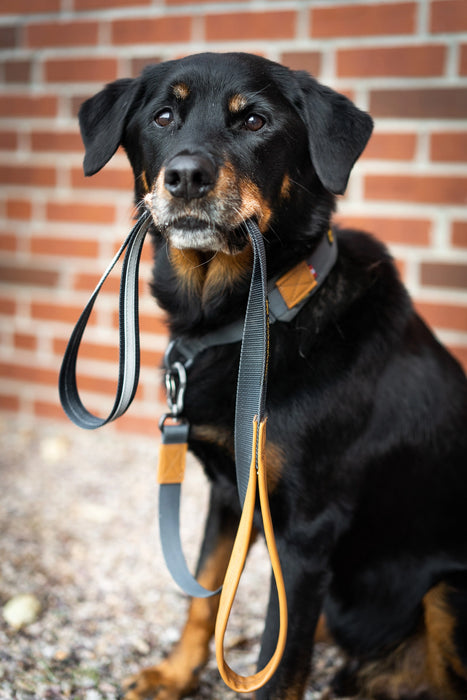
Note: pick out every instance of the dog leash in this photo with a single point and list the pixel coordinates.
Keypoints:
(250, 438)
(288, 294)
(251, 394)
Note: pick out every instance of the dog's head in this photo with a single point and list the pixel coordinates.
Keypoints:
(214, 139)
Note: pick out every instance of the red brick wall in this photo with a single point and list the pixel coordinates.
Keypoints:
(406, 62)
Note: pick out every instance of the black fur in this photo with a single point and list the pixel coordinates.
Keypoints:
(368, 410)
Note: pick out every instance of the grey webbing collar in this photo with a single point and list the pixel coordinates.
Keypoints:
(319, 264)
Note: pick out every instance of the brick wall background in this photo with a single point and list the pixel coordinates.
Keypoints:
(405, 62)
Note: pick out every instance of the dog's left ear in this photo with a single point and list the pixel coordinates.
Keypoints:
(337, 131)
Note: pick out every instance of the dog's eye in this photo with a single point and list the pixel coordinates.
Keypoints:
(254, 122)
(164, 117)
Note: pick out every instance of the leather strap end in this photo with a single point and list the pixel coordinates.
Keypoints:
(296, 284)
(262, 435)
(171, 469)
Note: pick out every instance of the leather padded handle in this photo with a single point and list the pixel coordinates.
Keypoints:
(246, 684)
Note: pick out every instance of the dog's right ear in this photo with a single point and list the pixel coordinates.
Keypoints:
(102, 120)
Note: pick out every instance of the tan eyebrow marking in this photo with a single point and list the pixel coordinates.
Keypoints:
(181, 91)
(237, 103)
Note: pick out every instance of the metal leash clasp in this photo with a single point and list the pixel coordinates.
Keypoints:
(173, 426)
(175, 384)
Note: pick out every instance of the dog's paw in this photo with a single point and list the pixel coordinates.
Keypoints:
(156, 683)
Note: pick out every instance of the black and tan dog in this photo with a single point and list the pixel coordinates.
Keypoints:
(367, 412)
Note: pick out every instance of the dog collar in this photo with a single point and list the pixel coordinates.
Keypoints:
(287, 295)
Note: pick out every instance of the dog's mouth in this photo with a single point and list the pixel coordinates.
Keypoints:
(209, 227)
(195, 232)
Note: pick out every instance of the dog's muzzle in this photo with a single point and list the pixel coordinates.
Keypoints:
(197, 204)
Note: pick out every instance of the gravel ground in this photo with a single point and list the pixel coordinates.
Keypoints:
(78, 533)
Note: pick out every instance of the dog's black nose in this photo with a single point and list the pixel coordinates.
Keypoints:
(190, 176)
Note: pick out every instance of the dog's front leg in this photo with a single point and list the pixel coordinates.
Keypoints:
(304, 582)
(178, 674)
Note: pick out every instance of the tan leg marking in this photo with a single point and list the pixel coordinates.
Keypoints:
(422, 662)
(441, 652)
(178, 674)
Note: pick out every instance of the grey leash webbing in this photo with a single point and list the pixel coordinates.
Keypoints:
(128, 370)
(252, 373)
(250, 389)
(250, 402)
(169, 524)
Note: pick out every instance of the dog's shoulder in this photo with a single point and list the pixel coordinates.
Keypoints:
(364, 295)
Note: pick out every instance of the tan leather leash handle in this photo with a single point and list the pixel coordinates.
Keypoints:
(246, 684)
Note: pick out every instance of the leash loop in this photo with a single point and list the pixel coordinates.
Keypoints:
(171, 472)
(128, 369)
(250, 441)
(258, 477)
